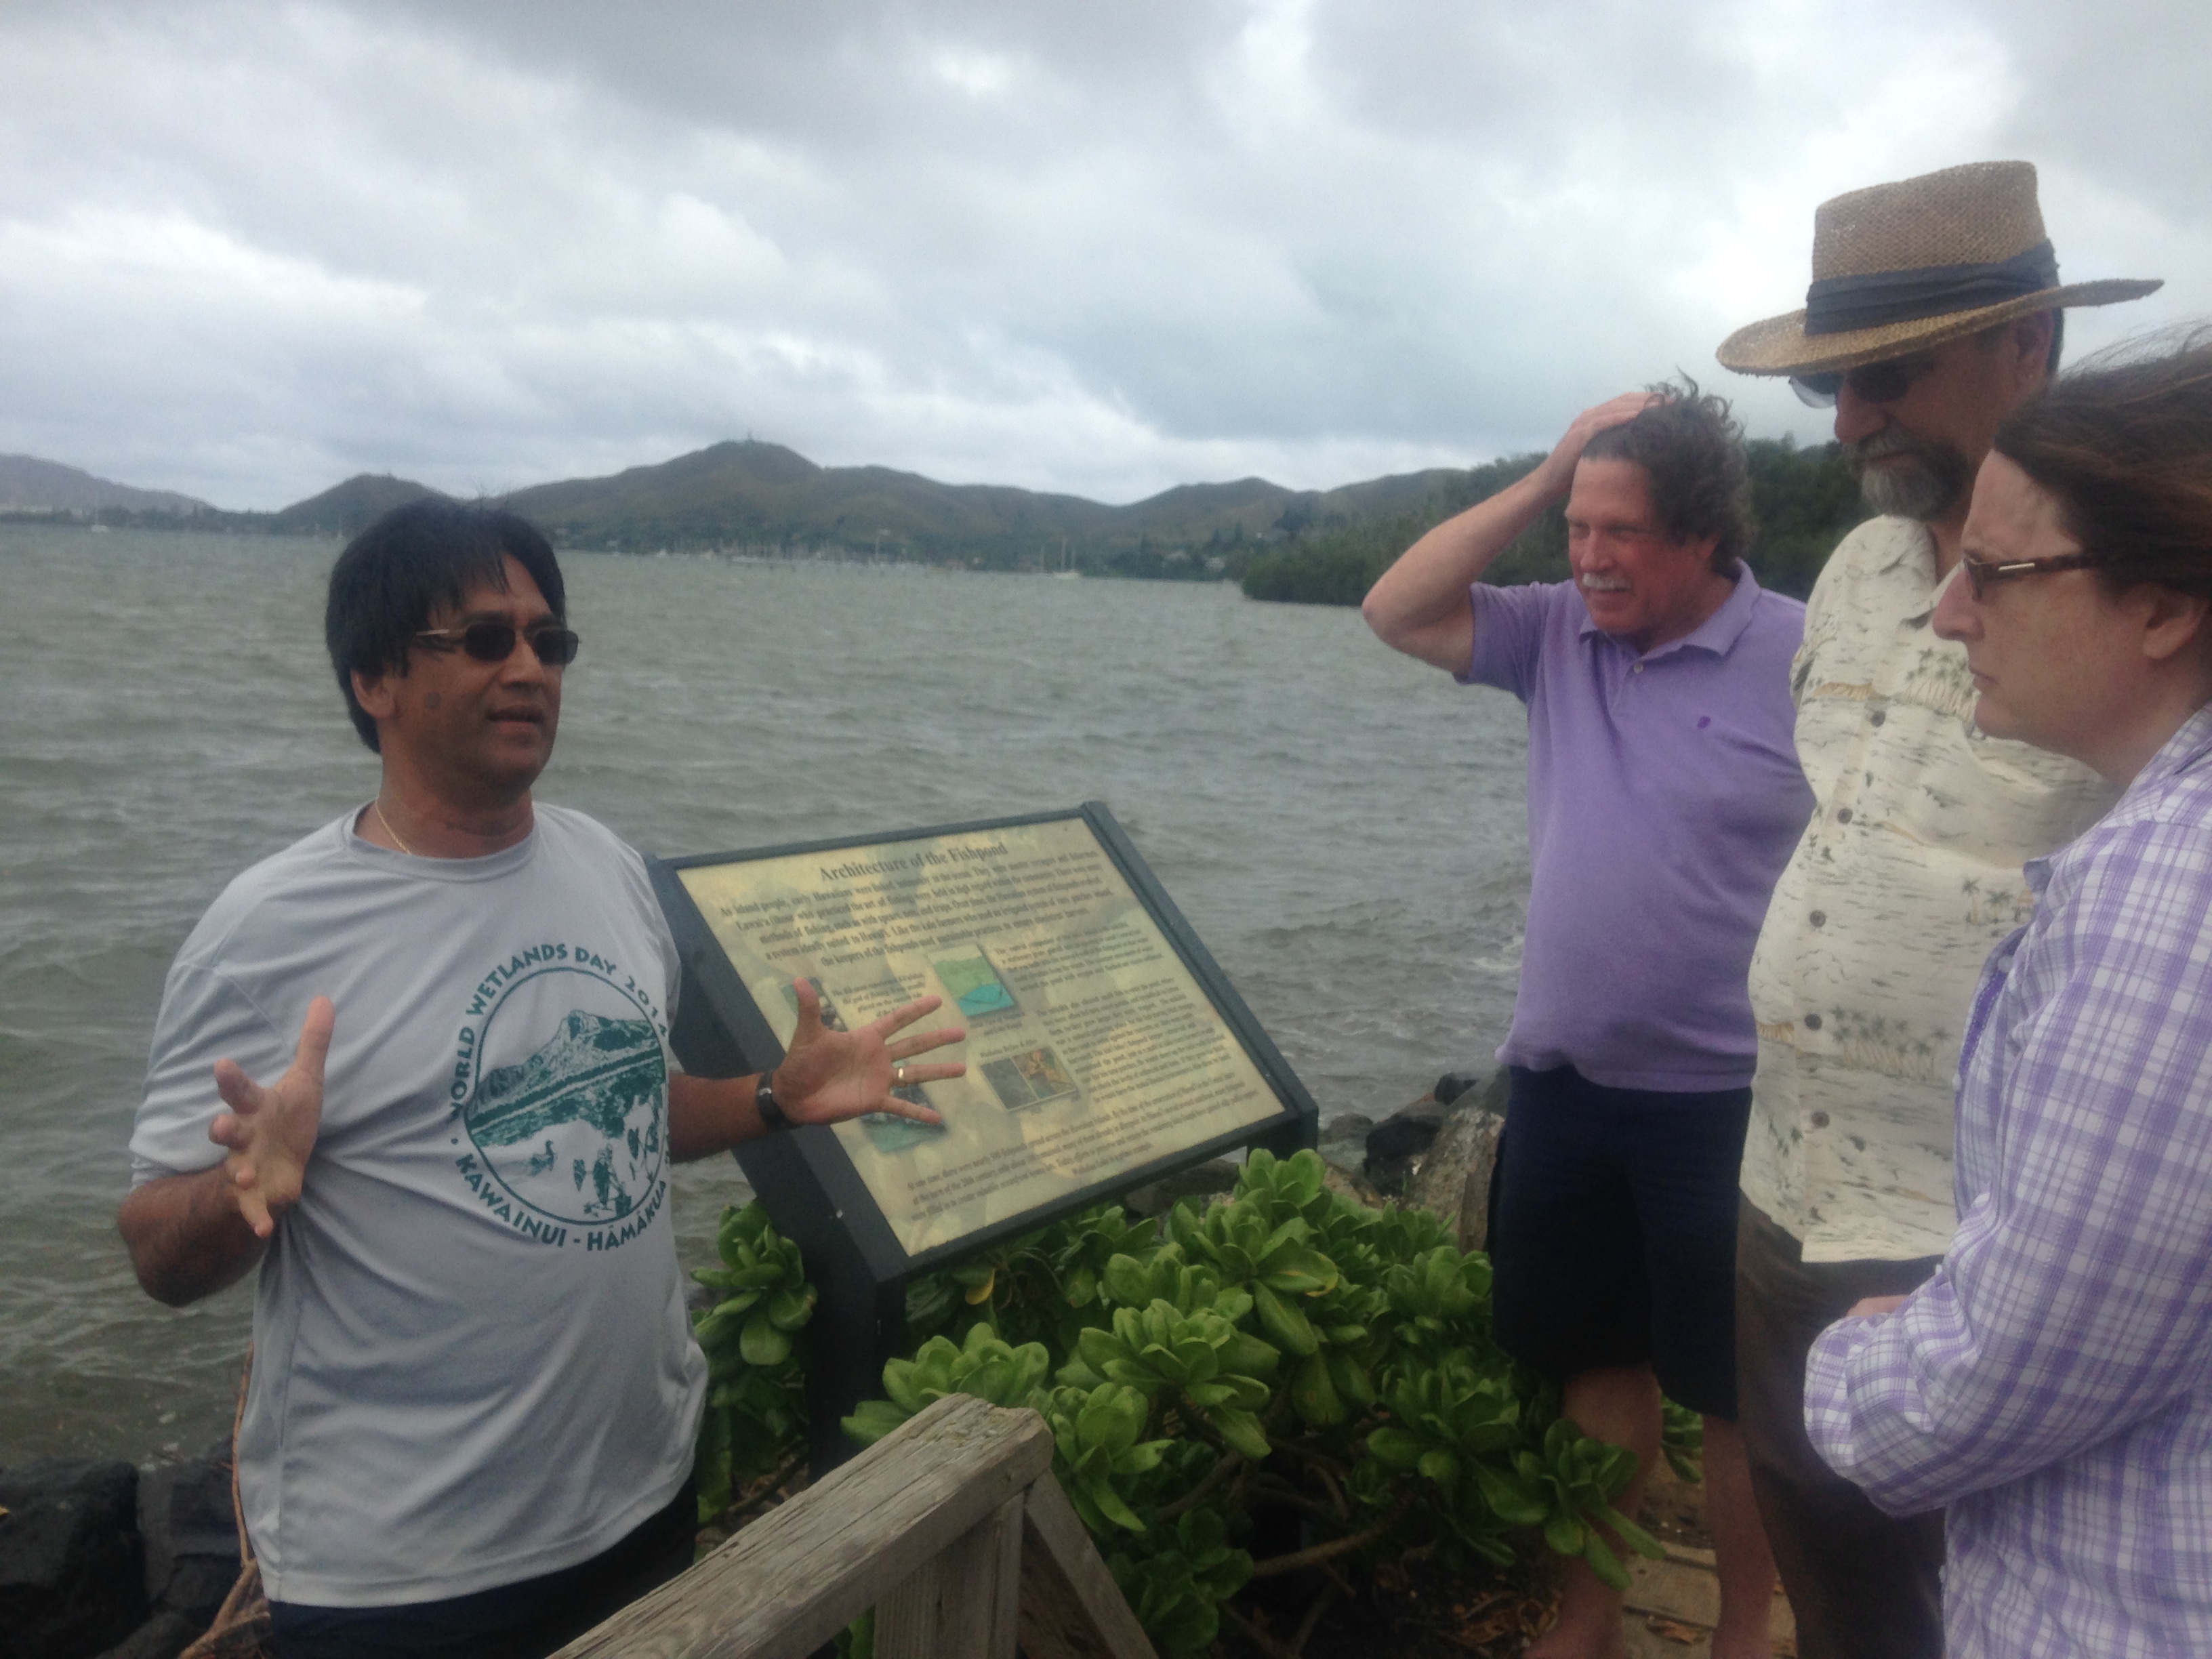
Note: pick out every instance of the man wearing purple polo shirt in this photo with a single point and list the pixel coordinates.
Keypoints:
(1664, 797)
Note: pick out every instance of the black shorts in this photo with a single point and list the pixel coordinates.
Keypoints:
(526, 1620)
(1614, 1240)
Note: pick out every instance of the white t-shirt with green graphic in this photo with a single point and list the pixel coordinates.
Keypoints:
(471, 1360)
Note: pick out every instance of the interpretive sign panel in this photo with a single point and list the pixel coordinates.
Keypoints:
(1104, 1048)
(1101, 1040)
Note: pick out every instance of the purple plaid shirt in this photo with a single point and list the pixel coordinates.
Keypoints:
(2053, 1383)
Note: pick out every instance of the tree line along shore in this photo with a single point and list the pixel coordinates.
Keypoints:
(1803, 500)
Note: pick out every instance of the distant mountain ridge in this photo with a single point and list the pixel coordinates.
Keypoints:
(751, 492)
(28, 484)
(1312, 546)
(762, 496)
(347, 509)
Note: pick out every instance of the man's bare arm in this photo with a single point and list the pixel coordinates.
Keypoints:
(187, 1236)
(191, 1235)
(1421, 605)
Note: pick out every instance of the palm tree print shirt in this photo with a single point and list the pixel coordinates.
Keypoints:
(1907, 876)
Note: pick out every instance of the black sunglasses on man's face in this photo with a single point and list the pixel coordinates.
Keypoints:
(1883, 382)
(493, 641)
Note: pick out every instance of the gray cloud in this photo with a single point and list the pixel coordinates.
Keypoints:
(248, 249)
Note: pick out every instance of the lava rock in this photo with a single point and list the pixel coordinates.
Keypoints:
(1496, 1090)
(1343, 1148)
(1452, 1085)
(71, 1579)
(190, 1533)
(164, 1636)
(1348, 1180)
(1346, 1126)
(1397, 1143)
(1453, 1176)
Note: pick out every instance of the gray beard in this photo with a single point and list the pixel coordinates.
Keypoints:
(1930, 483)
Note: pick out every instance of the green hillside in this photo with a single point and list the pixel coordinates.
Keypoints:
(345, 509)
(763, 497)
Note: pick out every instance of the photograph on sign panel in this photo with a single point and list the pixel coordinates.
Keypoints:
(1027, 1079)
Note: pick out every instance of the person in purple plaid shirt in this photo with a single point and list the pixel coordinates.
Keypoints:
(2051, 1387)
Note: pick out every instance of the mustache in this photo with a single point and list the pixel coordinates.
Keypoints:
(1930, 477)
(1887, 441)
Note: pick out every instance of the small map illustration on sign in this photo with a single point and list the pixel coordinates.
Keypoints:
(975, 985)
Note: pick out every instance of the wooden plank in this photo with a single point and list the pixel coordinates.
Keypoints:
(792, 1579)
(1674, 1590)
(1072, 1609)
(1683, 1592)
(960, 1604)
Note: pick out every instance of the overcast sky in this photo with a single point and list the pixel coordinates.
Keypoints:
(248, 250)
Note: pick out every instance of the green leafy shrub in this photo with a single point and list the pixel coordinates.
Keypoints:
(1682, 1438)
(1286, 1350)
(1177, 1582)
(756, 1417)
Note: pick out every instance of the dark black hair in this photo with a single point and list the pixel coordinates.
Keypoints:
(394, 575)
(1691, 449)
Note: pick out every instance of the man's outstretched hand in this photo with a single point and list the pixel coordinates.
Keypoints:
(271, 1132)
(827, 1076)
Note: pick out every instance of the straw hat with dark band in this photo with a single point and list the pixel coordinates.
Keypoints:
(1898, 268)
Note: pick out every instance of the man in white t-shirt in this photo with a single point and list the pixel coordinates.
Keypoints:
(474, 1392)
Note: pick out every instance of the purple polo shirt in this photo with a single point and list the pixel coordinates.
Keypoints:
(1664, 799)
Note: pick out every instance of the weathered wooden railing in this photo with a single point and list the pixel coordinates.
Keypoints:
(951, 1528)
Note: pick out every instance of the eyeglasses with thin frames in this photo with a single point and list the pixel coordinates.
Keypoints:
(1883, 382)
(1982, 574)
(493, 641)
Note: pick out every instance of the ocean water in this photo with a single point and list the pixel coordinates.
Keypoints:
(1343, 827)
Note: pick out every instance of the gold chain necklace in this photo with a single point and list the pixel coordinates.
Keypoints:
(377, 807)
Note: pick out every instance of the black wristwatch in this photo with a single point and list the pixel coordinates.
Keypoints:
(772, 1115)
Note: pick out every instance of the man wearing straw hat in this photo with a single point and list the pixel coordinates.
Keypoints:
(1933, 312)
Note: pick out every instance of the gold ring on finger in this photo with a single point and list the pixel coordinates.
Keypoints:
(898, 1077)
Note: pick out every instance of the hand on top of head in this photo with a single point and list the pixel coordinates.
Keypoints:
(1601, 418)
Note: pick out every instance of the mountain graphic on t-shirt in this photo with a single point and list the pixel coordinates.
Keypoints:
(574, 1130)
